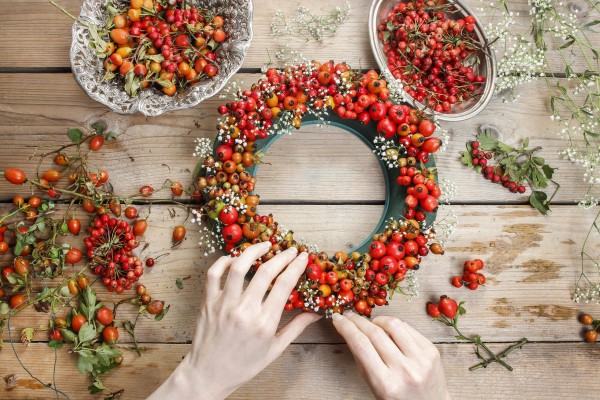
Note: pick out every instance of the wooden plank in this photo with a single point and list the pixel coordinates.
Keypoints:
(541, 371)
(531, 268)
(164, 145)
(24, 49)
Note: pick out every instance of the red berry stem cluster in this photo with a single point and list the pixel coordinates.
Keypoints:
(432, 53)
(110, 248)
(32, 234)
(448, 311)
(471, 276)
(277, 102)
(496, 174)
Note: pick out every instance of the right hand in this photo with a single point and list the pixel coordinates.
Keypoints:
(395, 360)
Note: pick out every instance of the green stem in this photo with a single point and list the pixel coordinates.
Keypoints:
(503, 354)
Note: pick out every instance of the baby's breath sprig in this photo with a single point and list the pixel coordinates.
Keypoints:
(305, 27)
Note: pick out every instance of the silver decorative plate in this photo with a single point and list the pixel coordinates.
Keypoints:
(89, 70)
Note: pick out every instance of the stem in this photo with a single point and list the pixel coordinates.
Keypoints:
(503, 354)
(477, 342)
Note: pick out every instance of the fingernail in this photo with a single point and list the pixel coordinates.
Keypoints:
(303, 256)
(336, 316)
(349, 313)
(266, 245)
(293, 250)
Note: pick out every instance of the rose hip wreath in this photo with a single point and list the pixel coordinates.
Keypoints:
(403, 139)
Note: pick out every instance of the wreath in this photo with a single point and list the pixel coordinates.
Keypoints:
(401, 136)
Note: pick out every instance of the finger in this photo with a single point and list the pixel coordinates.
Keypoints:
(293, 329)
(260, 282)
(385, 346)
(408, 339)
(285, 283)
(358, 343)
(214, 275)
(241, 265)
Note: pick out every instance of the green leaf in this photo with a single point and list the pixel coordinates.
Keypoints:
(84, 364)
(156, 57)
(539, 160)
(386, 36)
(548, 171)
(538, 201)
(132, 83)
(93, 389)
(593, 134)
(68, 335)
(526, 142)
(111, 136)
(162, 314)
(486, 140)
(87, 333)
(179, 283)
(592, 23)
(466, 159)
(504, 147)
(4, 308)
(99, 127)
(108, 351)
(75, 135)
(164, 82)
(568, 44)
(539, 180)
(28, 333)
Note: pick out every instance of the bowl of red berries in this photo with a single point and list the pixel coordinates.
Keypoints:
(155, 56)
(436, 54)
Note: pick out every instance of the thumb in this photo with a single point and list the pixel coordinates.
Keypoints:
(294, 328)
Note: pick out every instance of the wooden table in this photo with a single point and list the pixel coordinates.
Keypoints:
(326, 196)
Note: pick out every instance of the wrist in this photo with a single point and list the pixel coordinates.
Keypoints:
(187, 382)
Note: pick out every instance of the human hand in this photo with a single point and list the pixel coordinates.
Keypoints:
(395, 360)
(236, 335)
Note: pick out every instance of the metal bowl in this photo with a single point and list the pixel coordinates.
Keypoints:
(485, 67)
(89, 70)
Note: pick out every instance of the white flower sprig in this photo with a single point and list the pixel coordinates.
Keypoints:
(574, 92)
(303, 28)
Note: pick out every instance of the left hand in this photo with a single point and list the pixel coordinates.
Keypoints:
(236, 336)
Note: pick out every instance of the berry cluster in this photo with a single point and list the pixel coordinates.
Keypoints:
(172, 46)
(591, 334)
(421, 191)
(471, 276)
(109, 248)
(279, 101)
(432, 53)
(446, 306)
(364, 281)
(493, 173)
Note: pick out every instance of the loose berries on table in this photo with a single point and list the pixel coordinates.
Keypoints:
(471, 276)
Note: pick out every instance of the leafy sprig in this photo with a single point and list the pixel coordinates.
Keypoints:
(520, 164)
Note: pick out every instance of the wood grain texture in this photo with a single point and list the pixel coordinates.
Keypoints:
(351, 43)
(529, 267)
(539, 369)
(37, 113)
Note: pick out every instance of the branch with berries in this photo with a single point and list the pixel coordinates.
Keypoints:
(515, 167)
(447, 311)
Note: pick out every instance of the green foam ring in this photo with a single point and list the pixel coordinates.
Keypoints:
(394, 193)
